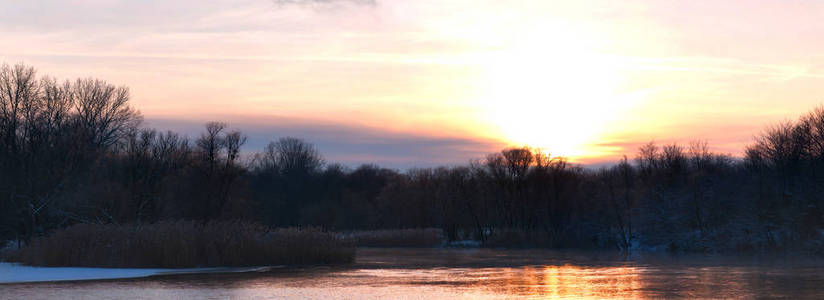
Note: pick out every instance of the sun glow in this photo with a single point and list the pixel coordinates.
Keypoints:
(554, 91)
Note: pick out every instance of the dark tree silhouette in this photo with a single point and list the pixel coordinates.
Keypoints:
(74, 152)
(50, 134)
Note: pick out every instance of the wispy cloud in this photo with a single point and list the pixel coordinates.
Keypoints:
(351, 144)
(709, 65)
(323, 2)
(325, 6)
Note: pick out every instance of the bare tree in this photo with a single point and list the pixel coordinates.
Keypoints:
(647, 160)
(518, 161)
(149, 158)
(103, 111)
(218, 151)
(50, 132)
(290, 155)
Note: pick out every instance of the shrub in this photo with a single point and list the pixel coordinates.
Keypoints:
(184, 244)
(426, 237)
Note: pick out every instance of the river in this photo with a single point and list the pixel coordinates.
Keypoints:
(473, 274)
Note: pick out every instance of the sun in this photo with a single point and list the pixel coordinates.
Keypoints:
(552, 90)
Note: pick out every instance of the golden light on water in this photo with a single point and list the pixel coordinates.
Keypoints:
(567, 281)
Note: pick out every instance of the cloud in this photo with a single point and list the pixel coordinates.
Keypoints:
(368, 2)
(349, 144)
(324, 3)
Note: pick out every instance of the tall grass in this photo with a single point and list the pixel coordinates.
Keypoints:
(426, 237)
(184, 244)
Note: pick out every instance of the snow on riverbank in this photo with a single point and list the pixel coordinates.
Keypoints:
(16, 273)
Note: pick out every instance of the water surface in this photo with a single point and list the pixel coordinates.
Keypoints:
(473, 274)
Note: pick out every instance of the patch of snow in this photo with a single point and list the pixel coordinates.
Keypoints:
(17, 273)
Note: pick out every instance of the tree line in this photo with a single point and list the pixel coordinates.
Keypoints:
(76, 152)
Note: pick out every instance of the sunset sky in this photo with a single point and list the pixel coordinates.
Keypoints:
(405, 83)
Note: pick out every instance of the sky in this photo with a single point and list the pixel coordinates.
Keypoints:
(421, 83)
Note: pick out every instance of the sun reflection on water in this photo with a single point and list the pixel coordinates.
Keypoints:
(565, 281)
(471, 274)
(547, 281)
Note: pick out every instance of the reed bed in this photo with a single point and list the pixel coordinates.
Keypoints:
(186, 244)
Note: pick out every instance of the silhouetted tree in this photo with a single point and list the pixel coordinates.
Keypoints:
(51, 133)
(286, 174)
(74, 152)
(217, 169)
